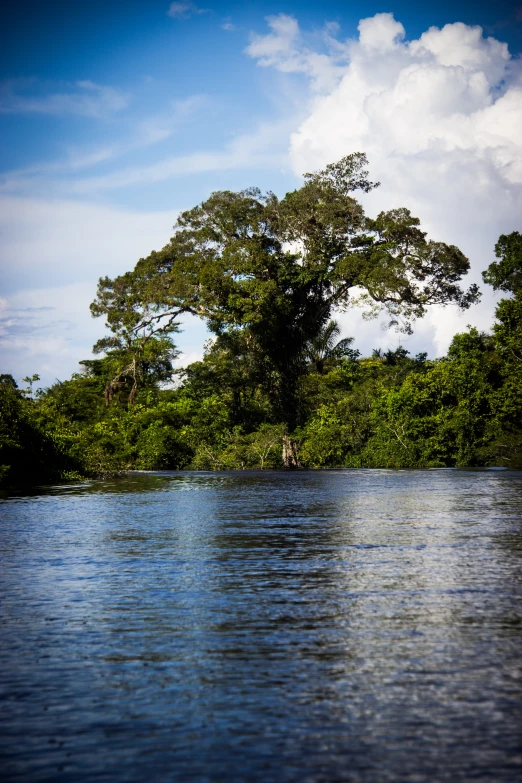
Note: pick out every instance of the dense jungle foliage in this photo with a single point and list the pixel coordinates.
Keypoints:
(267, 275)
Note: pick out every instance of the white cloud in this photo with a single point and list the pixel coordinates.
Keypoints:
(380, 33)
(278, 47)
(183, 9)
(84, 98)
(441, 121)
(284, 49)
(464, 46)
(48, 242)
(47, 331)
(52, 254)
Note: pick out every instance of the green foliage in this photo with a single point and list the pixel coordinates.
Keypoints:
(32, 450)
(410, 413)
(506, 273)
(325, 347)
(505, 428)
(389, 410)
(257, 450)
(438, 417)
(133, 363)
(273, 270)
(276, 379)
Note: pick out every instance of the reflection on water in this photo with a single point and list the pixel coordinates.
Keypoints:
(324, 626)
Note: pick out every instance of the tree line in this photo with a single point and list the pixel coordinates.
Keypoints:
(276, 387)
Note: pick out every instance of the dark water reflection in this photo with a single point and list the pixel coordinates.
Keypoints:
(330, 626)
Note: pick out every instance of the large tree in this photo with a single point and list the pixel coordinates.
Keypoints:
(275, 269)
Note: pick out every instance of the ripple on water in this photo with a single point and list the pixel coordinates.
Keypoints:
(260, 626)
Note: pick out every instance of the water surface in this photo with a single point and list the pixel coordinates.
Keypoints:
(323, 627)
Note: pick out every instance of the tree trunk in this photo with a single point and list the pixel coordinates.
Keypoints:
(290, 460)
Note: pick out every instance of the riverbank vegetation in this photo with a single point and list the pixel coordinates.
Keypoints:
(267, 276)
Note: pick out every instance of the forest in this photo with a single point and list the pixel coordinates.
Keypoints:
(277, 387)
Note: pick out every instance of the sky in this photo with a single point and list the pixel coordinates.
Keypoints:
(116, 116)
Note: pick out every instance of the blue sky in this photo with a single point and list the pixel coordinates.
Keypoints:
(116, 116)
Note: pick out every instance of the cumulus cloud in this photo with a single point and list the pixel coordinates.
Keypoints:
(380, 33)
(440, 118)
(182, 10)
(83, 98)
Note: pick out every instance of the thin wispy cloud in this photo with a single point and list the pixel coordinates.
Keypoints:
(12, 327)
(265, 147)
(284, 49)
(145, 134)
(183, 10)
(83, 98)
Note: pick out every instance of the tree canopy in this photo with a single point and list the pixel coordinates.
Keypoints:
(506, 273)
(275, 269)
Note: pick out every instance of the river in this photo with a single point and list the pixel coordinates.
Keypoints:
(322, 627)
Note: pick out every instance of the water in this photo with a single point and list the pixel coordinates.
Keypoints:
(324, 626)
